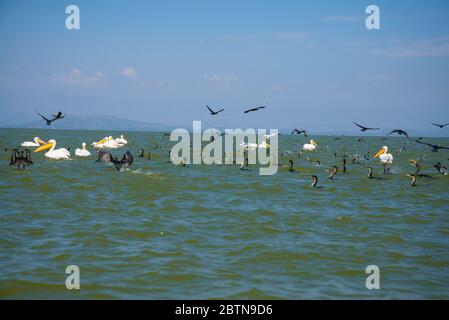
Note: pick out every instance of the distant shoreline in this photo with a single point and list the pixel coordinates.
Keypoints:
(282, 133)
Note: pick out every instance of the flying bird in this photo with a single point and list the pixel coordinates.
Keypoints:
(400, 132)
(48, 121)
(59, 115)
(296, 131)
(363, 128)
(212, 112)
(434, 147)
(253, 109)
(440, 125)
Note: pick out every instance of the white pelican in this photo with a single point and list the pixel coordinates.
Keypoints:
(60, 153)
(37, 142)
(121, 140)
(99, 143)
(384, 156)
(111, 143)
(82, 152)
(310, 146)
(253, 146)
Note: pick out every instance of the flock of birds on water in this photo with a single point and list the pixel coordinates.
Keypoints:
(22, 158)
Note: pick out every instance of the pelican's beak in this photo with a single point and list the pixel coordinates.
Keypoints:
(41, 142)
(101, 141)
(44, 147)
(315, 144)
(381, 151)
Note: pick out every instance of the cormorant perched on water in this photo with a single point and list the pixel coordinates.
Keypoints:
(103, 156)
(20, 159)
(315, 182)
(333, 171)
(440, 168)
(413, 182)
(290, 168)
(141, 153)
(370, 174)
(127, 160)
(344, 165)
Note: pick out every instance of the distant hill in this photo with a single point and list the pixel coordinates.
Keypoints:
(95, 122)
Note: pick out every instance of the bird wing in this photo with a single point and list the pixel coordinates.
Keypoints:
(211, 111)
(220, 110)
(42, 116)
(427, 144)
(13, 157)
(294, 131)
(394, 131)
(28, 156)
(358, 125)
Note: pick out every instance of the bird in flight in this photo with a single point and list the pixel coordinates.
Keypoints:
(296, 131)
(57, 116)
(400, 132)
(434, 147)
(440, 125)
(253, 109)
(363, 128)
(212, 112)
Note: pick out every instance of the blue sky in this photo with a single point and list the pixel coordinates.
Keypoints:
(312, 63)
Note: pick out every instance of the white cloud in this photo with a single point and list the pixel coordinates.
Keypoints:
(275, 87)
(220, 77)
(343, 18)
(129, 73)
(77, 77)
(436, 47)
(289, 35)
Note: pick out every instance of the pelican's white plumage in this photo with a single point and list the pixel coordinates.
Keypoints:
(53, 153)
(37, 142)
(83, 152)
(263, 145)
(310, 146)
(384, 157)
(121, 140)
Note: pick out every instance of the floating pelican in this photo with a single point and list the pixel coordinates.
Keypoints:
(253, 146)
(384, 156)
(310, 146)
(121, 140)
(37, 142)
(82, 152)
(99, 143)
(111, 143)
(60, 153)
